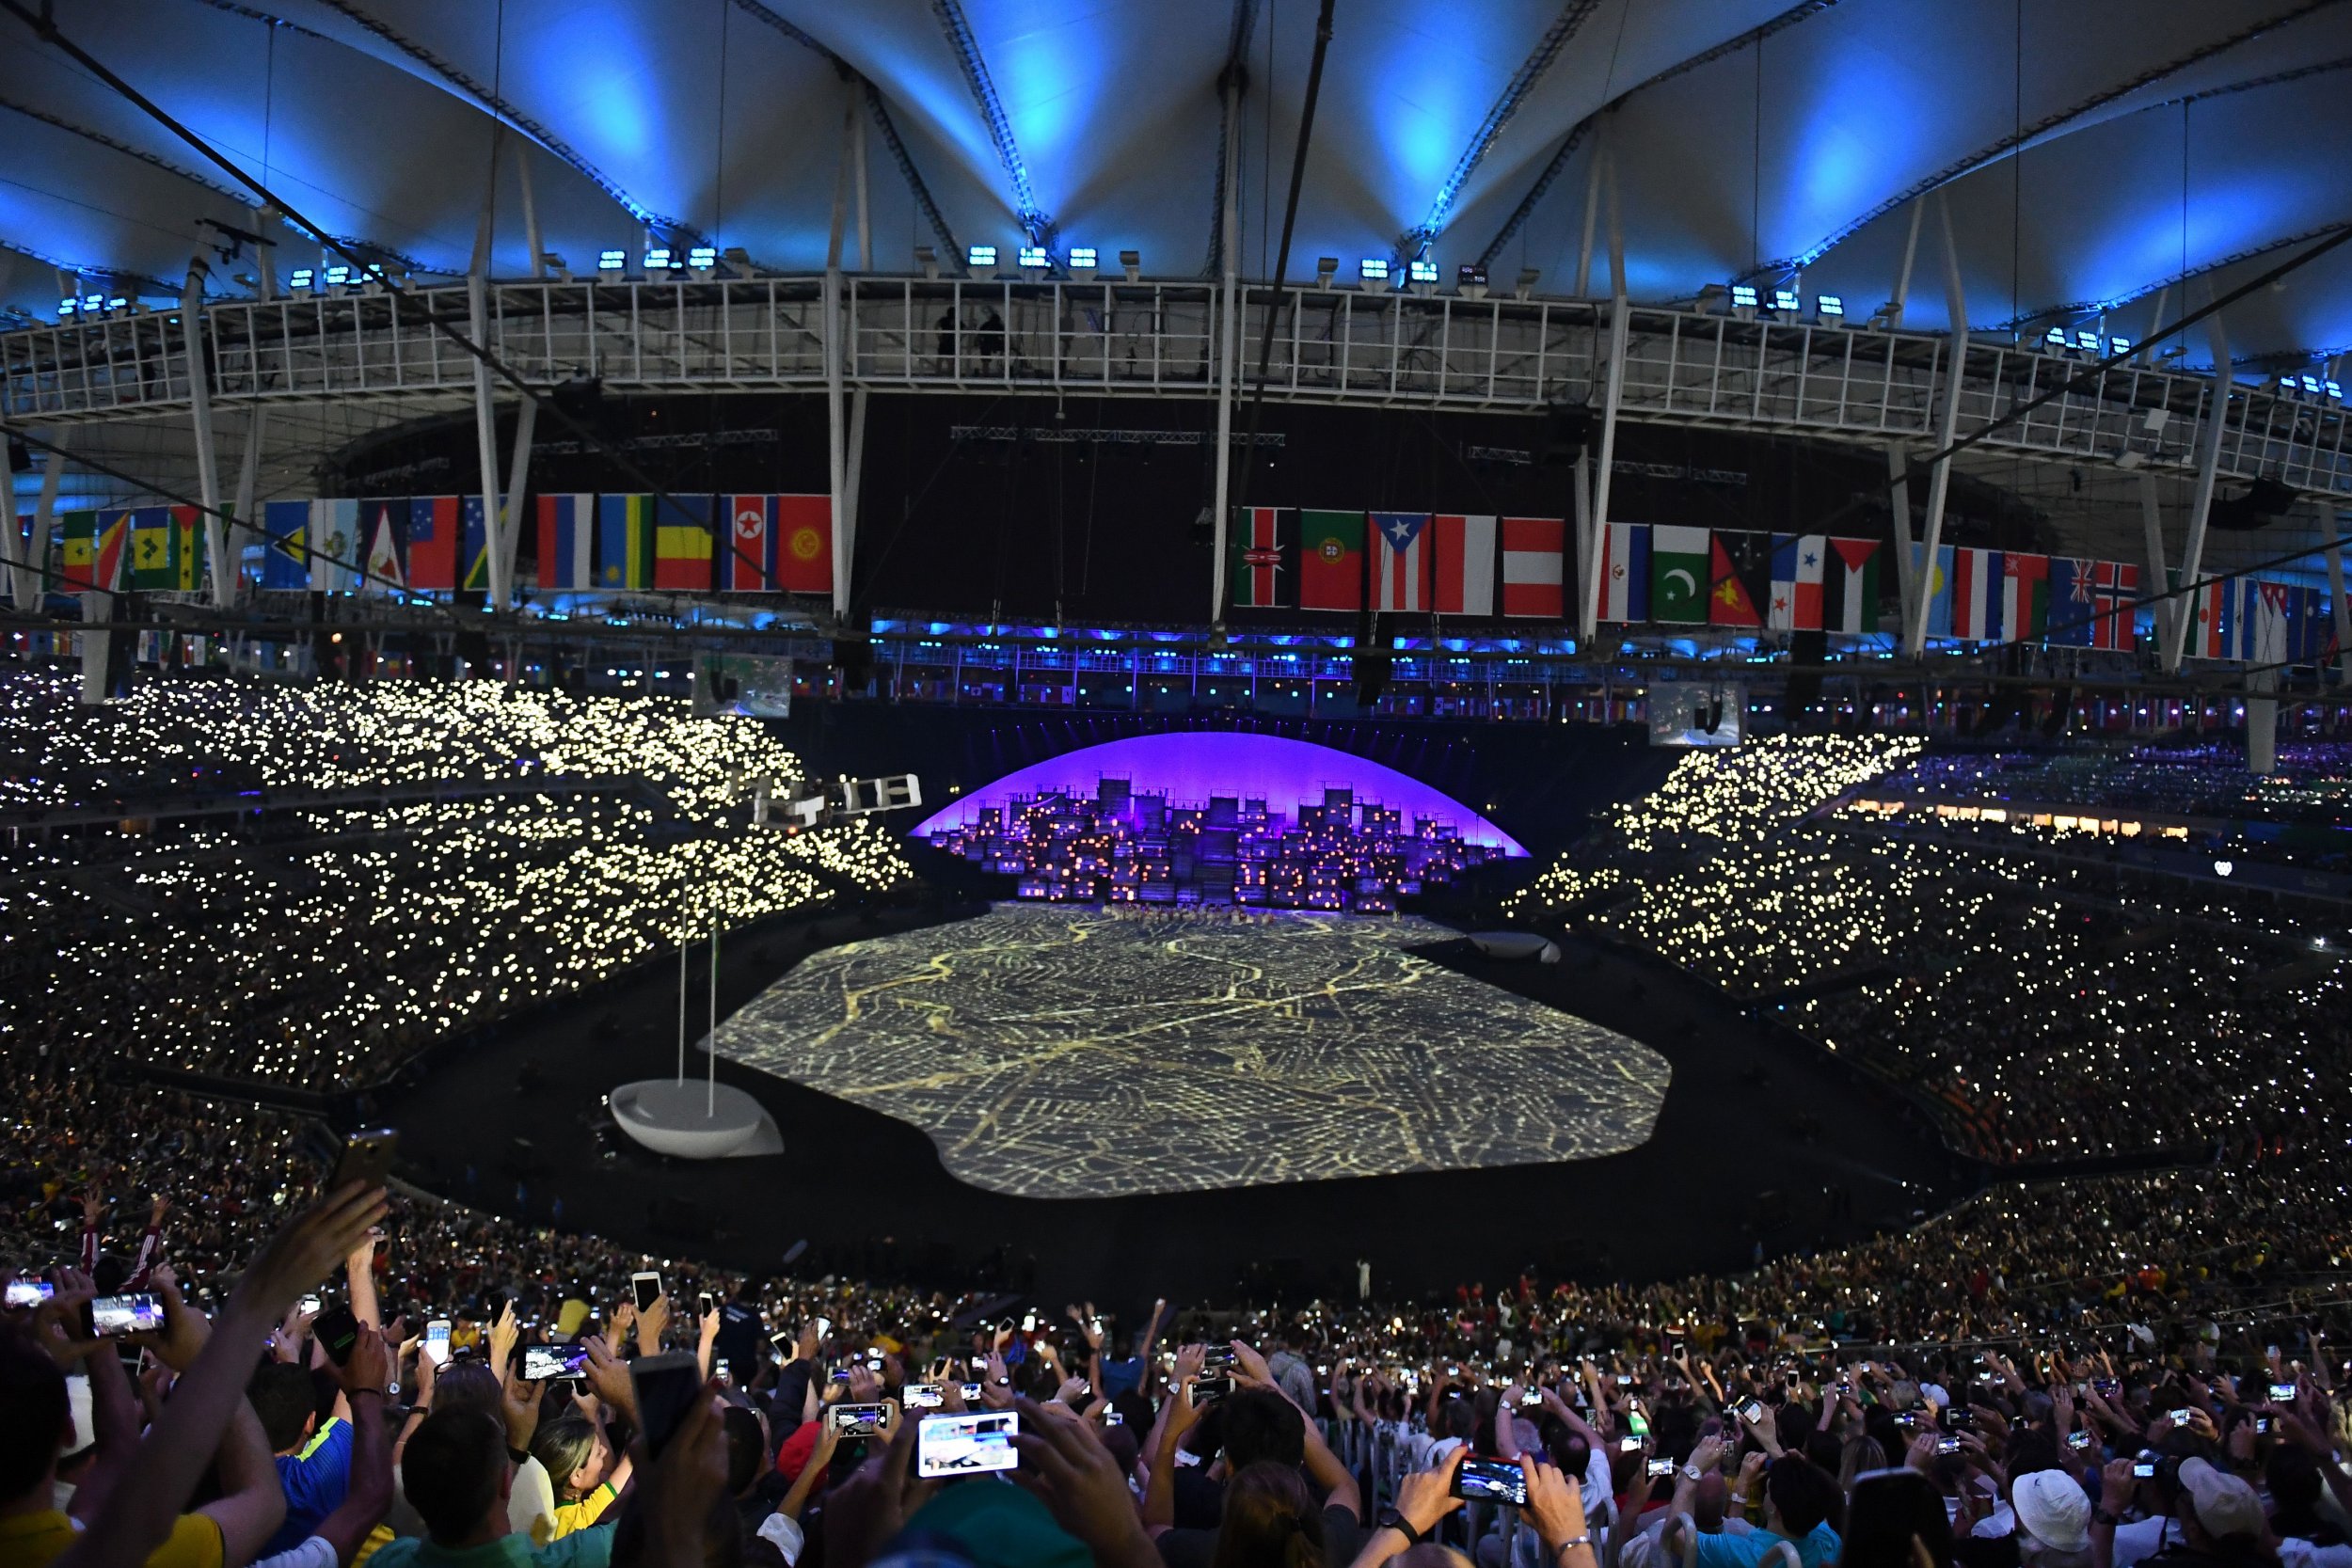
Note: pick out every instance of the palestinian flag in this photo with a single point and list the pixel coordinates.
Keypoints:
(1679, 578)
(1739, 578)
(1257, 553)
(1330, 560)
(1849, 586)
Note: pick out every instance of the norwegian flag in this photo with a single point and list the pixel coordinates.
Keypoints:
(1400, 566)
(2116, 586)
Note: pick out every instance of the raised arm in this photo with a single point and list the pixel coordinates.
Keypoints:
(368, 1497)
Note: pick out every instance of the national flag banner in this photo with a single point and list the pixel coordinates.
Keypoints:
(682, 544)
(1679, 575)
(1739, 578)
(2115, 596)
(76, 534)
(384, 521)
(1935, 581)
(285, 554)
(113, 547)
(474, 553)
(1625, 573)
(1332, 562)
(624, 540)
(1400, 561)
(746, 545)
(334, 546)
(567, 537)
(187, 527)
(1849, 587)
(803, 535)
(1977, 595)
(2261, 622)
(155, 549)
(1463, 553)
(2073, 601)
(1798, 574)
(2311, 635)
(1534, 559)
(1258, 553)
(2207, 605)
(433, 526)
(2024, 597)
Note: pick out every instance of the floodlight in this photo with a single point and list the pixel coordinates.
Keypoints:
(980, 255)
(2119, 346)
(2056, 337)
(2335, 389)
(1470, 279)
(1422, 272)
(1743, 297)
(118, 302)
(2310, 384)
(1786, 301)
(304, 278)
(67, 306)
(2286, 384)
(928, 258)
(1033, 256)
(657, 259)
(1131, 261)
(1372, 269)
(338, 277)
(2087, 342)
(1829, 306)
(91, 303)
(612, 261)
(703, 257)
(1327, 268)
(1528, 279)
(1082, 257)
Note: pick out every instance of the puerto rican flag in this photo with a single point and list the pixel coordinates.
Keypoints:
(1399, 563)
(1463, 548)
(1977, 589)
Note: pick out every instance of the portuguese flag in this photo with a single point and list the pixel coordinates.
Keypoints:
(1330, 560)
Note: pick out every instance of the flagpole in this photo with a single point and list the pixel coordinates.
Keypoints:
(711, 1097)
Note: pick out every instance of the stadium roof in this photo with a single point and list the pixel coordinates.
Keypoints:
(2092, 153)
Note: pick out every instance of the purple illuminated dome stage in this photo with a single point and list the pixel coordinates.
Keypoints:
(1218, 819)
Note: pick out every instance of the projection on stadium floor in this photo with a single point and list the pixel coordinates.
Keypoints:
(1218, 819)
(1056, 1051)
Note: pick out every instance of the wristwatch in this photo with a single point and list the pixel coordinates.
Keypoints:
(2101, 1516)
(1391, 1519)
(1692, 1472)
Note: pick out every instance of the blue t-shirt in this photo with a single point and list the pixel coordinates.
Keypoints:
(1121, 1377)
(1818, 1549)
(316, 1480)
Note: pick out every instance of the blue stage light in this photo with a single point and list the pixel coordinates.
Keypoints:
(2056, 337)
(1743, 295)
(304, 278)
(338, 277)
(92, 303)
(1829, 305)
(2087, 342)
(612, 261)
(657, 259)
(2335, 390)
(1082, 258)
(1372, 269)
(1422, 272)
(980, 255)
(67, 306)
(703, 257)
(2119, 346)
(2310, 384)
(1032, 256)
(1786, 301)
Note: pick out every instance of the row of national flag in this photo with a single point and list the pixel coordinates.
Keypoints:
(1447, 563)
(2252, 621)
(742, 543)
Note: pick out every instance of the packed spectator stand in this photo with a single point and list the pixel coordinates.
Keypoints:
(1983, 1387)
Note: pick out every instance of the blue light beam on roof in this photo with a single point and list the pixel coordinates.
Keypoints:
(1035, 221)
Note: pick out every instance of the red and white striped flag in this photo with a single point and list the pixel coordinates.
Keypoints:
(1463, 551)
(1532, 566)
(1400, 561)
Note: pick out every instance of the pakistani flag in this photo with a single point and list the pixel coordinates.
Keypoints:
(1679, 577)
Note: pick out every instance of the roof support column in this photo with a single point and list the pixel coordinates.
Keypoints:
(1620, 317)
(1227, 347)
(217, 544)
(510, 530)
(836, 424)
(2152, 525)
(1940, 476)
(486, 433)
(531, 212)
(1895, 306)
(2208, 466)
(2334, 522)
(27, 585)
(1898, 502)
(245, 508)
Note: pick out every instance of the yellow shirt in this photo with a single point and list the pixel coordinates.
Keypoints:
(579, 1516)
(30, 1540)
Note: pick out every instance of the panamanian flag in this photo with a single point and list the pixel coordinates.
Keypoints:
(1797, 574)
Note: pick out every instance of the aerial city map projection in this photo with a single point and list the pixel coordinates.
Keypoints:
(1218, 819)
(1052, 1051)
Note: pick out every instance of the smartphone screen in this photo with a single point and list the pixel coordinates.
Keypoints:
(111, 1317)
(541, 1362)
(1494, 1481)
(667, 1387)
(857, 1420)
(1753, 1412)
(2078, 1439)
(968, 1444)
(435, 1342)
(1658, 1467)
(924, 1396)
(29, 1292)
(366, 1157)
(971, 1392)
(2282, 1393)
(1628, 1445)
(645, 1289)
(1948, 1444)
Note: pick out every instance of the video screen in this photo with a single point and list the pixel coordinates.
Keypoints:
(541, 1362)
(113, 1315)
(29, 1292)
(967, 1445)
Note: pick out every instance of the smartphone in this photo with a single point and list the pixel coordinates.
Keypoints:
(1658, 1467)
(2144, 1467)
(1491, 1480)
(2181, 1415)
(542, 1362)
(1028, 1322)
(1625, 1379)
(2282, 1393)
(824, 1331)
(435, 1345)
(1113, 1419)
(1948, 1444)
(1753, 1412)
(2078, 1439)
(367, 1157)
(336, 1331)
(1958, 1419)
(923, 1396)
(2261, 1424)
(1532, 1398)
(971, 1392)
(111, 1317)
(703, 1305)
(1207, 1388)
(645, 1289)
(855, 1421)
(1628, 1445)
(667, 1387)
(29, 1292)
(968, 1444)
